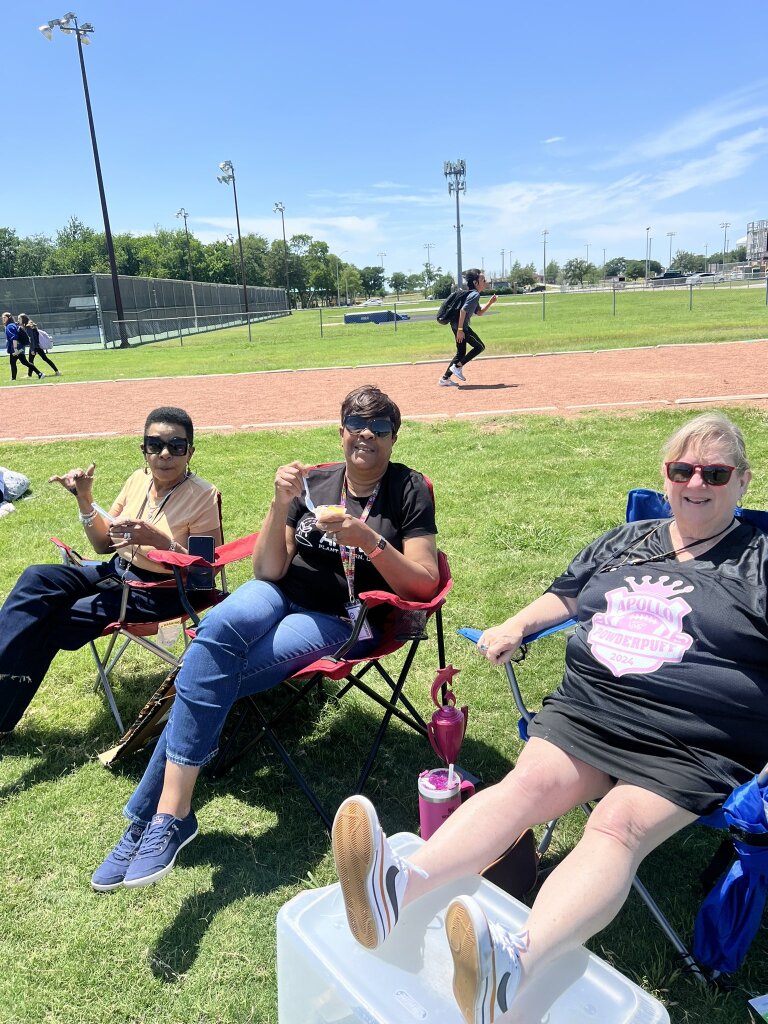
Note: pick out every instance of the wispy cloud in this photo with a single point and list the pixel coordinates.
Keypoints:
(388, 184)
(702, 126)
(553, 138)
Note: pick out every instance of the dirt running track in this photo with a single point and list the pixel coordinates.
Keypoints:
(564, 384)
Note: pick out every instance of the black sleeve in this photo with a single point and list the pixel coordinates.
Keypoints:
(585, 564)
(22, 338)
(418, 509)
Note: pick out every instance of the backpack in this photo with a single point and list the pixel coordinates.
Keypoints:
(45, 341)
(451, 307)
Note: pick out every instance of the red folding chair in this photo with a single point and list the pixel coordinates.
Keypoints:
(406, 626)
(122, 633)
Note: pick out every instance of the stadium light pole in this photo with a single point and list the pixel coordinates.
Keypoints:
(183, 213)
(338, 291)
(670, 236)
(429, 246)
(69, 26)
(231, 239)
(725, 225)
(456, 175)
(706, 247)
(280, 208)
(587, 245)
(647, 252)
(227, 177)
(544, 234)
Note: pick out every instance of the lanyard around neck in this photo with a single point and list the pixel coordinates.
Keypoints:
(155, 513)
(347, 553)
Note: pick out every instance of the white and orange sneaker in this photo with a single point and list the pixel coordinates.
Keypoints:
(373, 878)
(486, 962)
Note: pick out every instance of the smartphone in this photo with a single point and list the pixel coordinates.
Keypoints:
(102, 512)
(200, 577)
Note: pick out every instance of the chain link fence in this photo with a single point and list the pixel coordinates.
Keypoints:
(79, 309)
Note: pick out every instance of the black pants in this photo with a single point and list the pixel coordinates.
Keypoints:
(55, 608)
(44, 356)
(461, 357)
(21, 358)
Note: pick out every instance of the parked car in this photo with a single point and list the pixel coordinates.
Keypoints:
(668, 278)
(373, 302)
(705, 278)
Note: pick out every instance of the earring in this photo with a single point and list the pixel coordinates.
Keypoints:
(146, 467)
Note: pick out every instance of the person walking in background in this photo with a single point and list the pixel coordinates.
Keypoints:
(33, 333)
(15, 341)
(462, 331)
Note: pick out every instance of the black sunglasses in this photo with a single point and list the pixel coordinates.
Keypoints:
(154, 445)
(378, 425)
(715, 476)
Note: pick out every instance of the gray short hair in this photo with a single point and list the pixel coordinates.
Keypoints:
(709, 428)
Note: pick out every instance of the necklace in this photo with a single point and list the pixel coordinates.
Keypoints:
(644, 560)
(154, 508)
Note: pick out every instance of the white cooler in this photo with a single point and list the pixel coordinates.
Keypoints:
(325, 977)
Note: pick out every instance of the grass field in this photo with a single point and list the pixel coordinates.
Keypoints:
(199, 948)
(574, 321)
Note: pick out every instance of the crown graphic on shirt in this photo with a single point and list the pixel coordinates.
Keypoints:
(658, 588)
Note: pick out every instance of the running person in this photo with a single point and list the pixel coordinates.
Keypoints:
(462, 331)
(33, 333)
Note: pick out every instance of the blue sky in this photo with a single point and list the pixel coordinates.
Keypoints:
(593, 121)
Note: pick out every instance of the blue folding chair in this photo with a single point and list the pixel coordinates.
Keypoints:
(731, 913)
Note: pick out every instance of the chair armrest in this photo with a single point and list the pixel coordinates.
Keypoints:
(475, 634)
(374, 597)
(225, 553)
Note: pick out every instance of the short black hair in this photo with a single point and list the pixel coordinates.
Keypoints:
(369, 400)
(176, 417)
(471, 276)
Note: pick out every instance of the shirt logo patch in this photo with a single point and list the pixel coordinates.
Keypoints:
(642, 627)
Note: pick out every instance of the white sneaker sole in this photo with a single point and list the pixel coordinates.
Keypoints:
(474, 972)
(137, 883)
(358, 849)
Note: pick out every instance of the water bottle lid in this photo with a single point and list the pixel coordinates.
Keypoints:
(433, 785)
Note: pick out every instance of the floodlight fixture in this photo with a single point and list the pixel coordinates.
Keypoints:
(69, 26)
(456, 174)
(228, 178)
(280, 208)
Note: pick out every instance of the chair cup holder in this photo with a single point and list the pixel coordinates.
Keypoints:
(410, 625)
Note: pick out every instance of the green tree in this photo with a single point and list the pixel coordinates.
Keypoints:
(398, 282)
(415, 282)
(575, 270)
(552, 272)
(522, 276)
(442, 286)
(351, 283)
(9, 247)
(615, 267)
(636, 269)
(32, 255)
(687, 262)
(373, 280)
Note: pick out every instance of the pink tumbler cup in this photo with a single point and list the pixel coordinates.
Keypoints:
(438, 800)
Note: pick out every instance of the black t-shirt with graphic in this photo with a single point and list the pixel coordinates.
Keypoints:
(315, 579)
(666, 676)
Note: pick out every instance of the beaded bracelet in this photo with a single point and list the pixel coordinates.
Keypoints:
(87, 518)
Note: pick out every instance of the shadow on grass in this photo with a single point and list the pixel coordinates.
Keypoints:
(292, 851)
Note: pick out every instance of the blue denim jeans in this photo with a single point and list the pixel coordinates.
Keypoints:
(249, 643)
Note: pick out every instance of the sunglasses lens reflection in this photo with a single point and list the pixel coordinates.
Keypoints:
(715, 476)
(379, 425)
(176, 446)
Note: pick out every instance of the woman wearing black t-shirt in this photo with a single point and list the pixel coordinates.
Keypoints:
(662, 711)
(377, 532)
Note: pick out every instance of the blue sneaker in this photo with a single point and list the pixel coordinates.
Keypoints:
(110, 874)
(158, 849)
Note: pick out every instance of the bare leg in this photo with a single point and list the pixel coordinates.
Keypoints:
(586, 891)
(545, 783)
(176, 798)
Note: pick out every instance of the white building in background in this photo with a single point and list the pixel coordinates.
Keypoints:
(757, 239)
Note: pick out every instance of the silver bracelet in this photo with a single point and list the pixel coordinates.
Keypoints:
(87, 518)
(174, 546)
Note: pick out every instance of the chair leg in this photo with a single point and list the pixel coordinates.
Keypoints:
(105, 684)
(386, 719)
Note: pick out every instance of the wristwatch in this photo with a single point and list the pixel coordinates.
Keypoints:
(381, 544)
